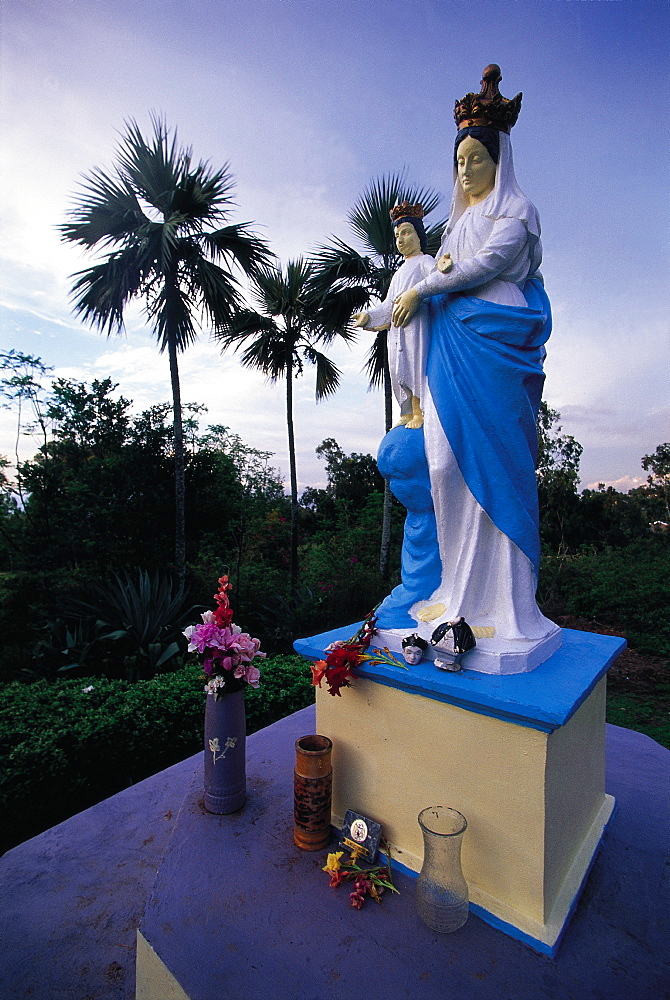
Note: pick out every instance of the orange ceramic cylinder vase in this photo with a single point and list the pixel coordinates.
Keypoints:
(312, 790)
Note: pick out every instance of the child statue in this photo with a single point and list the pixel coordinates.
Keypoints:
(408, 345)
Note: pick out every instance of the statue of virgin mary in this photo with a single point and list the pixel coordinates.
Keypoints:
(489, 318)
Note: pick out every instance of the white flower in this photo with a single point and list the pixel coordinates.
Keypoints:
(188, 632)
(208, 617)
(212, 686)
(235, 629)
(88, 689)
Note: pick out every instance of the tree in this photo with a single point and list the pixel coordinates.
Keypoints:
(351, 480)
(21, 386)
(557, 473)
(659, 480)
(152, 217)
(297, 315)
(341, 266)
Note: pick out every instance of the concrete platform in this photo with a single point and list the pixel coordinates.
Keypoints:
(254, 924)
(522, 757)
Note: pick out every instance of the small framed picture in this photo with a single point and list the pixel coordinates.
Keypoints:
(360, 832)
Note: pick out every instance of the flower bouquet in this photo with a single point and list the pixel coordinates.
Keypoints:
(228, 652)
(372, 882)
(228, 661)
(339, 667)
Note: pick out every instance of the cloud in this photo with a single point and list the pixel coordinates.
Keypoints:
(622, 485)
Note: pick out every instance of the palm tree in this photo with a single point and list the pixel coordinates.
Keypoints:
(296, 317)
(340, 266)
(153, 218)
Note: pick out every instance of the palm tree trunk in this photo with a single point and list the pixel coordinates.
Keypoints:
(179, 473)
(293, 472)
(385, 547)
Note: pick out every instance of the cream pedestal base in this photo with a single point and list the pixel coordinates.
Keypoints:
(522, 757)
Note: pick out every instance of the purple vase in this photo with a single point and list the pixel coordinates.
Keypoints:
(225, 753)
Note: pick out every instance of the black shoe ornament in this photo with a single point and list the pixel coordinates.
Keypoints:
(452, 646)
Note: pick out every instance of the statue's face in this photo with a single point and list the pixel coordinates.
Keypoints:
(413, 655)
(407, 240)
(476, 170)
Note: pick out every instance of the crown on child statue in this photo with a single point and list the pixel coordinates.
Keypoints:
(488, 107)
(406, 211)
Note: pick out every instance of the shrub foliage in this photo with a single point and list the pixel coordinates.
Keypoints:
(66, 744)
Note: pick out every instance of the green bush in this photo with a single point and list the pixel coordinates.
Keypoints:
(627, 588)
(65, 748)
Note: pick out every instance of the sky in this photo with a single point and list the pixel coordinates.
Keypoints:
(308, 101)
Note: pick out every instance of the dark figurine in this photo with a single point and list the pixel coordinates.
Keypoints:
(453, 646)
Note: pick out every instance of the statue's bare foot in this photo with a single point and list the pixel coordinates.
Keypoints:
(405, 419)
(431, 612)
(414, 423)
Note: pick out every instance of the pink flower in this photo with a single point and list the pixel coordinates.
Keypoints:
(246, 646)
(228, 661)
(207, 634)
(252, 675)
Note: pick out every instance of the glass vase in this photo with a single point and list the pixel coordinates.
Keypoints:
(441, 890)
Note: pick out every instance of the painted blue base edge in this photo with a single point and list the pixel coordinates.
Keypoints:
(502, 925)
(544, 698)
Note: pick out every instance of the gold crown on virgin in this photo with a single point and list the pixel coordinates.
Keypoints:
(406, 211)
(488, 108)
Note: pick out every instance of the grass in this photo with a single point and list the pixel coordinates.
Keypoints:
(648, 715)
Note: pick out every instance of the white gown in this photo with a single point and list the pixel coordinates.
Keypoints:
(486, 577)
(407, 346)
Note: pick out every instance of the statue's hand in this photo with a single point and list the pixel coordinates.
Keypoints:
(361, 319)
(445, 263)
(405, 306)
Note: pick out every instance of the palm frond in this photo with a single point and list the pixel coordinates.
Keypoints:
(272, 354)
(327, 374)
(338, 264)
(107, 212)
(153, 167)
(269, 349)
(206, 283)
(243, 324)
(101, 293)
(171, 313)
(240, 244)
(376, 360)
(161, 171)
(336, 308)
(287, 293)
(370, 216)
(269, 287)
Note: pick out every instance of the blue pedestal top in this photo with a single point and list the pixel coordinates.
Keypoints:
(544, 698)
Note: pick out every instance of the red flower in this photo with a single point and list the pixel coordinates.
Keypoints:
(343, 656)
(336, 878)
(318, 672)
(338, 677)
(223, 615)
(221, 596)
(362, 883)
